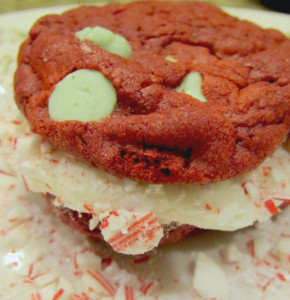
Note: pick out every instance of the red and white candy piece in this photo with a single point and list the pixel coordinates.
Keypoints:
(131, 232)
(272, 207)
(282, 197)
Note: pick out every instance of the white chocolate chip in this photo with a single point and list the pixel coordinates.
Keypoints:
(84, 95)
(191, 85)
(171, 58)
(107, 40)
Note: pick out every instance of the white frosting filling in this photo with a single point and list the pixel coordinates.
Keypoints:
(227, 205)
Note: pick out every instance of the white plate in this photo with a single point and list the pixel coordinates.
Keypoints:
(25, 251)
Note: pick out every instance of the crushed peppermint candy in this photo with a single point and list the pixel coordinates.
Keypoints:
(131, 232)
(272, 208)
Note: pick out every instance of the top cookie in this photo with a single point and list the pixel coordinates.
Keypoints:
(156, 133)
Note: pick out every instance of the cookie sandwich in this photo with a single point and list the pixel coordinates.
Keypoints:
(149, 120)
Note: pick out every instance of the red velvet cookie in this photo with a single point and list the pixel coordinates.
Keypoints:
(155, 133)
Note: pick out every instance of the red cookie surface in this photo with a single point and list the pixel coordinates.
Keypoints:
(156, 134)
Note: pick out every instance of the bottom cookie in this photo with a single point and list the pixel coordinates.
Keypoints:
(80, 221)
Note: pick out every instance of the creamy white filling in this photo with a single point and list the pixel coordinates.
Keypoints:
(227, 205)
